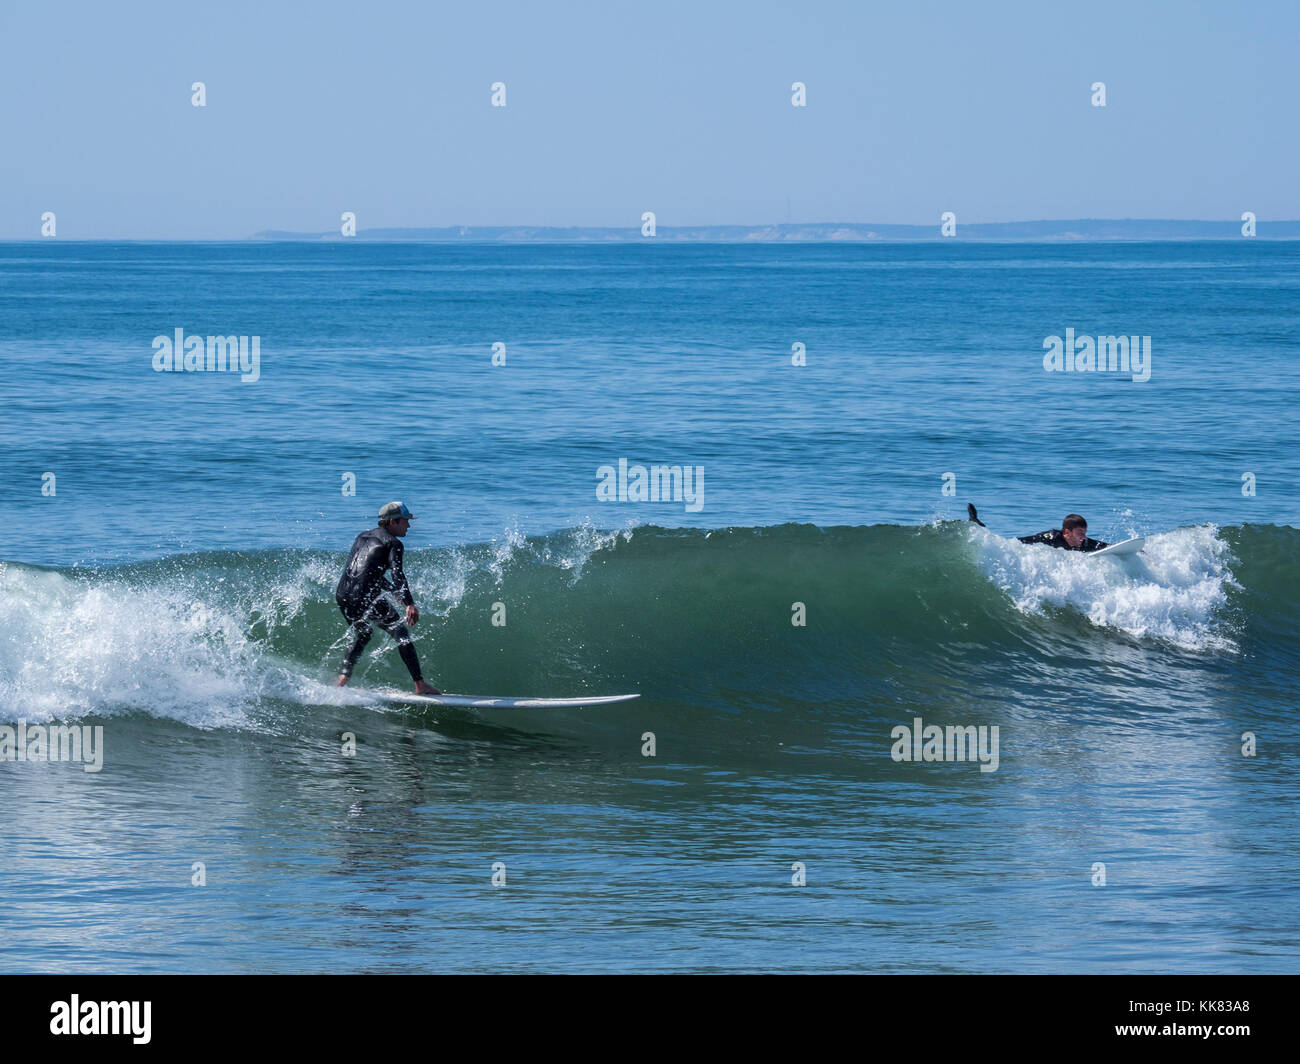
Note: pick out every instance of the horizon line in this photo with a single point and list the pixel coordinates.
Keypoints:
(1063, 230)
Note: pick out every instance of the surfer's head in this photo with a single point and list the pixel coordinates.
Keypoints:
(1075, 530)
(395, 517)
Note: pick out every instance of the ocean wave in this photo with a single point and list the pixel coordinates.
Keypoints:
(889, 614)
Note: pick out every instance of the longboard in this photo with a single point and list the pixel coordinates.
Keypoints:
(1129, 546)
(500, 702)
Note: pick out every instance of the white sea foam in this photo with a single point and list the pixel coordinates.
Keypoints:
(78, 646)
(1174, 590)
(187, 647)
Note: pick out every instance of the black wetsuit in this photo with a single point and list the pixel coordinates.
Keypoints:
(360, 596)
(1056, 538)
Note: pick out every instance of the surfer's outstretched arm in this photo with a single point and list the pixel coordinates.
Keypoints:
(970, 509)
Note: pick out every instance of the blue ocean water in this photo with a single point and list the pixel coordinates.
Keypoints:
(172, 540)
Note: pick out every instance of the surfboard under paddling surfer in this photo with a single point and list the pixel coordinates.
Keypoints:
(1072, 535)
(361, 588)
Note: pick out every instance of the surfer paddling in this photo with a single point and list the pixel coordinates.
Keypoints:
(1072, 535)
(360, 593)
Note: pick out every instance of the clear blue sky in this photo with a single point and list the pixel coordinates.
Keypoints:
(615, 108)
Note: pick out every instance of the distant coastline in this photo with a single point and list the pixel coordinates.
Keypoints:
(1088, 229)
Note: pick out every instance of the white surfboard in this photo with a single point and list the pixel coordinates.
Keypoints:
(499, 702)
(1115, 550)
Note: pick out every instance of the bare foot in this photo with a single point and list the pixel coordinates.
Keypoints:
(342, 681)
(423, 688)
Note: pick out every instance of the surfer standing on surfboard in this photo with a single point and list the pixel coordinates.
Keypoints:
(360, 593)
(1072, 535)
